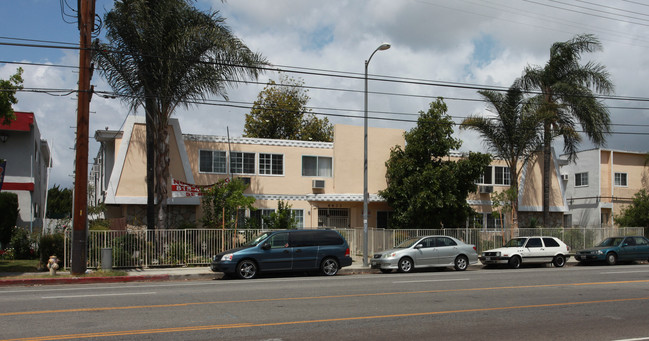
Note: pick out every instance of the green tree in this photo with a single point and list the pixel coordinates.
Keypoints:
(224, 199)
(59, 203)
(425, 188)
(636, 214)
(567, 98)
(9, 209)
(283, 218)
(164, 54)
(513, 135)
(8, 89)
(280, 112)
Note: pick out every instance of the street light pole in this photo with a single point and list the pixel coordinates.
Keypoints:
(383, 47)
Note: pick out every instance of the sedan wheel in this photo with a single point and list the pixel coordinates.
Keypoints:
(611, 258)
(329, 267)
(461, 263)
(559, 261)
(515, 262)
(405, 264)
(246, 269)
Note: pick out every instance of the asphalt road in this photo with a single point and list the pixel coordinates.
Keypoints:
(537, 303)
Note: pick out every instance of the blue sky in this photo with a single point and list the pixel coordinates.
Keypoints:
(486, 42)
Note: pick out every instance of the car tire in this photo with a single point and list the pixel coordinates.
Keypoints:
(386, 271)
(461, 263)
(611, 258)
(515, 262)
(247, 269)
(559, 261)
(329, 266)
(405, 265)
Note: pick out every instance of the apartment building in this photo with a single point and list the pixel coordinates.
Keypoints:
(322, 181)
(26, 172)
(601, 183)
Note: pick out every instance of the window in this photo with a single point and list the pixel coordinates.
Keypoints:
(621, 179)
(485, 177)
(493, 221)
(242, 163)
(383, 219)
(211, 161)
(502, 176)
(271, 164)
(550, 242)
(279, 241)
(316, 166)
(444, 241)
(581, 179)
(258, 216)
(298, 216)
(534, 242)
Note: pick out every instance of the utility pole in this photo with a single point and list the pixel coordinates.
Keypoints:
(80, 212)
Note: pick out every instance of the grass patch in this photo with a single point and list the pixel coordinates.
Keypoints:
(19, 265)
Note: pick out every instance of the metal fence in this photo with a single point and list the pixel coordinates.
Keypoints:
(143, 249)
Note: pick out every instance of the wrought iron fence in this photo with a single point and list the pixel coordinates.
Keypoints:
(142, 248)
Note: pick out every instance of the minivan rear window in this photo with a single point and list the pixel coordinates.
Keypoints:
(302, 239)
(329, 238)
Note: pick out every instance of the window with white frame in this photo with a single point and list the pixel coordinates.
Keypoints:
(581, 179)
(502, 176)
(316, 166)
(621, 179)
(258, 216)
(242, 163)
(212, 161)
(298, 216)
(485, 177)
(271, 164)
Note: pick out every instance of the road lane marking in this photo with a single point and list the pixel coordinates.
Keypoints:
(287, 323)
(635, 339)
(102, 295)
(624, 272)
(433, 280)
(187, 304)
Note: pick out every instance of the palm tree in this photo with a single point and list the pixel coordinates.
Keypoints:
(164, 54)
(512, 135)
(567, 98)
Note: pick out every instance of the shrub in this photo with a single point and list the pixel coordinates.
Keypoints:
(50, 245)
(22, 244)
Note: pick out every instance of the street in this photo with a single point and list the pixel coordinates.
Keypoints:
(531, 303)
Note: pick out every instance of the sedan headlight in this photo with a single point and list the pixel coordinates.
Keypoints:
(390, 255)
(227, 257)
(600, 252)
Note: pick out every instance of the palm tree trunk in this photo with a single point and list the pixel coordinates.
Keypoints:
(547, 156)
(150, 164)
(162, 173)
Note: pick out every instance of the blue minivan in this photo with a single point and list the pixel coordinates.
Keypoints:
(285, 251)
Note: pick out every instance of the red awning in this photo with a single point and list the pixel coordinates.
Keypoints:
(24, 122)
(18, 186)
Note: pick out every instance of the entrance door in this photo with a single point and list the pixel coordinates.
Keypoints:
(333, 218)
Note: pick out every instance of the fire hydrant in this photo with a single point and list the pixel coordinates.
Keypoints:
(53, 265)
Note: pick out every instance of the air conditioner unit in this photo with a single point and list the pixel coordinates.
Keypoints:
(318, 184)
(564, 177)
(245, 180)
(486, 189)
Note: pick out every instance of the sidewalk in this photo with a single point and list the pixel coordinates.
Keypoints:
(137, 275)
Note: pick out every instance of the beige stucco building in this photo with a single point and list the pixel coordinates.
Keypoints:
(322, 181)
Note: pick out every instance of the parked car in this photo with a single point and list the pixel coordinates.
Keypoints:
(286, 250)
(424, 252)
(522, 250)
(615, 249)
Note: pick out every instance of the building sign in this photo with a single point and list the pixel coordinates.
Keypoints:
(180, 189)
(3, 165)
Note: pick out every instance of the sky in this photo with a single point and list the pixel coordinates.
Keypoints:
(436, 45)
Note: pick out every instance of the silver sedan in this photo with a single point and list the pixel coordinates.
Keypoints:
(425, 252)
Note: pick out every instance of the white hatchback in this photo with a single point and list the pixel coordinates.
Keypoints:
(528, 250)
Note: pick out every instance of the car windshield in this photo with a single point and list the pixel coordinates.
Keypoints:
(611, 242)
(516, 242)
(407, 243)
(258, 239)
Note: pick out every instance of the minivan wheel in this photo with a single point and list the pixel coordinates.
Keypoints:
(515, 262)
(611, 258)
(559, 261)
(461, 263)
(246, 269)
(329, 267)
(405, 265)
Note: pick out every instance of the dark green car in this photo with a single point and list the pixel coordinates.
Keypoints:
(616, 249)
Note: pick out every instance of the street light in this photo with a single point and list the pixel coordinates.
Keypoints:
(383, 47)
